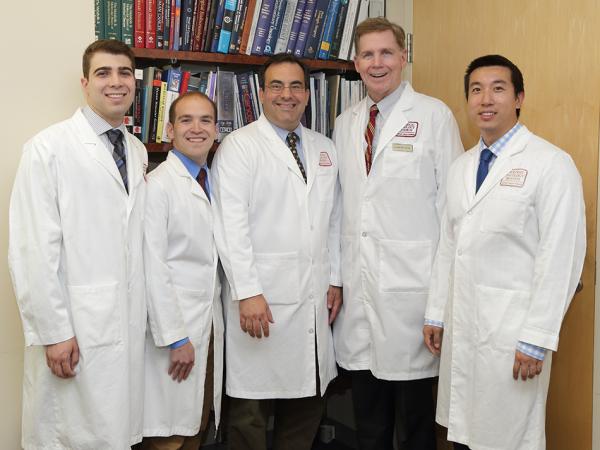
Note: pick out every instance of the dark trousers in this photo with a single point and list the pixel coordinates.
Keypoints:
(458, 446)
(381, 406)
(296, 422)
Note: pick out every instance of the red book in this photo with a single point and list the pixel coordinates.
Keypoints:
(247, 26)
(199, 25)
(185, 79)
(172, 23)
(139, 23)
(150, 23)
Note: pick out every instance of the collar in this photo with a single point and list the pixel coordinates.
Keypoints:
(501, 143)
(283, 133)
(98, 123)
(192, 166)
(387, 103)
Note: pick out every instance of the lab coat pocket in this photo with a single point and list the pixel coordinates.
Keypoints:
(504, 213)
(195, 307)
(326, 184)
(96, 312)
(500, 316)
(404, 266)
(402, 160)
(279, 276)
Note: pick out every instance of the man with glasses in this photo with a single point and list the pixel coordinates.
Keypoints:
(275, 186)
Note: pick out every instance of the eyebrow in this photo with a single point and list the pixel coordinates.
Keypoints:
(127, 68)
(189, 116)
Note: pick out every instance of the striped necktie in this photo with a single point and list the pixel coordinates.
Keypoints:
(115, 137)
(369, 133)
(291, 140)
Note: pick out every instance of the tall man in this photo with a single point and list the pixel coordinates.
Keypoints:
(395, 147)
(183, 373)
(274, 185)
(510, 256)
(75, 256)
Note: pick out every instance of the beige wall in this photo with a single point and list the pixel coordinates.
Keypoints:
(41, 71)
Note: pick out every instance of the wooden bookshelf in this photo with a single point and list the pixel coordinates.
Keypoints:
(170, 56)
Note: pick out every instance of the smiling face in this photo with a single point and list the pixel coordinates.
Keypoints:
(110, 86)
(284, 109)
(194, 129)
(492, 102)
(379, 60)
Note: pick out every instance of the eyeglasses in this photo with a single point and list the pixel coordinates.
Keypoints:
(277, 88)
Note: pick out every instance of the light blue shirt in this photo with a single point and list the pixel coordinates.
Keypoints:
(283, 135)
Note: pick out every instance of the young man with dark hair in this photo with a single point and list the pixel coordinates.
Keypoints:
(510, 255)
(75, 257)
(278, 238)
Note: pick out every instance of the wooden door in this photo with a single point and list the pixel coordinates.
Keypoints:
(556, 44)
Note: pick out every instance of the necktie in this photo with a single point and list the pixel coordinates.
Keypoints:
(484, 164)
(369, 132)
(291, 140)
(116, 139)
(202, 179)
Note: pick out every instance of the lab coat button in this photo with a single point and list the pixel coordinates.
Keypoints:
(311, 331)
(470, 212)
(364, 234)
(459, 252)
(311, 296)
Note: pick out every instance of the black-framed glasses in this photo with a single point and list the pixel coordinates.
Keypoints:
(278, 88)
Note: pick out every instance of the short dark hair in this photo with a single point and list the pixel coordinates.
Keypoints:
(281, 58)
(516, 77)
(110, 46)
(173, 110)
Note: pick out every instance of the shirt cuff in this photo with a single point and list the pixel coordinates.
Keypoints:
(435, 323)
(531, 350)
(180, 343)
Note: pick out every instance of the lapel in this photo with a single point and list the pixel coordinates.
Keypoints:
(312, 157)
(357, 136)
(135, 171)
(501, 165)
(396, 120)
(182, 172)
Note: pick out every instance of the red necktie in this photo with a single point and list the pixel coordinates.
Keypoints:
(203, 182)
(369, 132)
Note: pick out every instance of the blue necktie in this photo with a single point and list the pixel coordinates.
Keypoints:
(484, 164)
(116, 139)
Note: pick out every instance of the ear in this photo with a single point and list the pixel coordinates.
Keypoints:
(84, 82)
(520, 99)
(170, 131)
(404, 58)
(261, 95)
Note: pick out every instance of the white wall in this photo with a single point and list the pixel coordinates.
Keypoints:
(41, 44)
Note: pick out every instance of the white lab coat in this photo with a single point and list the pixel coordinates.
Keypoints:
(183, 291)
(278, 236)
(390, 231)
(75, 257)
(509, 261)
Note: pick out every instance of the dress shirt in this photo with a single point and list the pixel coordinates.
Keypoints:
(101, 126)
(283, 135)
(385, 107)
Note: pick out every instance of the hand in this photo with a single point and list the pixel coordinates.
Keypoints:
(255, 316)
(527, 365)
(334, 302)
(433, 338)
(63, 357)
(182, 361)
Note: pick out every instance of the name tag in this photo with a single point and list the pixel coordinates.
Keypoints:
(324, 160)
(402, 148)
(514, 178)
(409, 130)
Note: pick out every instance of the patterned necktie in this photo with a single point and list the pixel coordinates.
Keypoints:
(291, 140)
(369, 133)
(484, 165)
(116, 139)
(202, 179)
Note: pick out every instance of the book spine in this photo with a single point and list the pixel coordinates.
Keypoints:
(167, 24)
(262, 26)
(217, 27)
(196, 25)
(238, 23)
(291, 43)
(185, 79)
(246, 98)
(314, 37)
(160, 23)
(338, 30)
(154, 109)
(210, 24)
(307, 17)
(225, 104)
(112, 25)
(127, 22)
(274, 26)
(150, 24)
(176, 24)
(99, 19)
(139, 23)
(325, 45)
(227, 27)
(148, 76)
(250, 26)
(362, 14)
(187, 15)
(348, 29)
(161, 112)
(137, 104)
(286, 26)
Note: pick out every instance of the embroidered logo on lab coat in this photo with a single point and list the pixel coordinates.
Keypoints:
(409, 130)
(514, 178)
(324, 160)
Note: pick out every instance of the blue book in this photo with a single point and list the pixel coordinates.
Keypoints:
(218, 25)
(227, 26)
(262, 26)
(274, 26)
(176, 24)
(187, 15)
(313, 39)
(291, 43)
(332, 12)
(307, 17)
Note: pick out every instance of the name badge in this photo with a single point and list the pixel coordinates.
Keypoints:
(408, 148)
(409, 130)
(324, 159)
(514, 178)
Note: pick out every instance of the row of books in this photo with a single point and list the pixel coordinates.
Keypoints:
(236, 96)
(321, 29)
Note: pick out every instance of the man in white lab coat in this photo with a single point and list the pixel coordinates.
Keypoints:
(184, 362)
(510, 256)
(394, 150)
(278, 238)
(75, 257)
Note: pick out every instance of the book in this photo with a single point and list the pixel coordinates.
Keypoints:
(112, 19)
(175, 26)
(148, 77)
(154, 105)
(127, 22)
(348, 33)
(198, 24)
(291, 43)
(238, 23)
(194, 83)
(326, 38)
(150, 41)
(185, 30)
(245, 93)
(139, 23)
(166, 41)
(225, 103)
(274, 26)
(286, 26)
(377, 8)
(217, 26)
(211, 14)
(250, 26)
(185, 79)
(138, 111)
(227, 26)
(307, 17)
(172, 77)
(160, 124)
(338, 30)
(99, 19)
(313, 39)
(363, 11)
(262, 26)
(160, 22)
